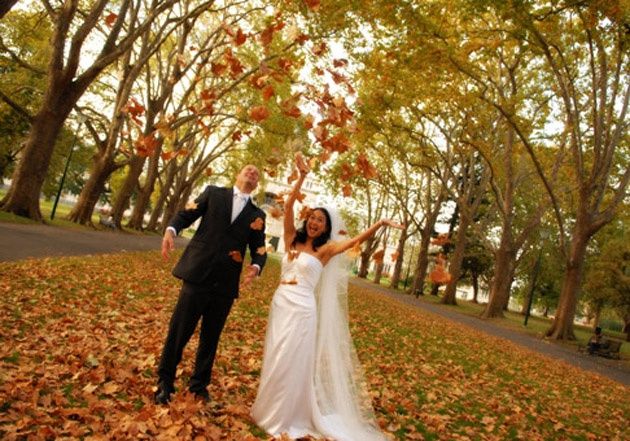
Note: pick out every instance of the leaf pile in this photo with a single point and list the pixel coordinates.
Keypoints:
(81, 338)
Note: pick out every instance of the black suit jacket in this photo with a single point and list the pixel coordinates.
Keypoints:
(212, 255)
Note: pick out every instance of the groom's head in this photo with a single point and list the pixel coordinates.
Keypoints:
(247, 178)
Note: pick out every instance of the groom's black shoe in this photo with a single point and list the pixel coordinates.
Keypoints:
(202, 395)
(163, 394)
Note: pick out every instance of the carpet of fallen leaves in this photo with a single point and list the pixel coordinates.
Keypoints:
(81, 336)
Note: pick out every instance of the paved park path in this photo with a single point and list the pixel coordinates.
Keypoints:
(22, 241)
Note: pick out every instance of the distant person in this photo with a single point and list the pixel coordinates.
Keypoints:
(596, 341)
(210, 268)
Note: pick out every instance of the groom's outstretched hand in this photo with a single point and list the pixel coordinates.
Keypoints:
(168, 244)
(250, 273)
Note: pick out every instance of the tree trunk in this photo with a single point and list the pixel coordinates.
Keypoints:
(121, 201)
(420, 273)
(143, 199)
(562, 326)
(502, 281)
(455, 264)
(27, 180)
(6, 6)
(102, 169)
(364, 264)
(164, 192)
(475, 283)
(400, 250)
(378, 272)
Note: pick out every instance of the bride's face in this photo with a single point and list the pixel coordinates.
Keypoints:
(316, 224)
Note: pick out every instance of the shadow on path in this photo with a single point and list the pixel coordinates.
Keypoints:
(607, 368)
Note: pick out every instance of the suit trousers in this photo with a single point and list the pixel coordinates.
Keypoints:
(195, 302)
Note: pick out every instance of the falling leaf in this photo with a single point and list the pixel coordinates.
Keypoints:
(259, 113)
(240, 38)
(268, 92)
(110, 19)
(347, 190)
(236, 256)
(258, 224)
(208, 171)
(191, 205)
(261, 250)
(218, 68)
(304, 213)
(342, 232)
(275, 212)
(312, 4)
(378, 256)
(394, 256)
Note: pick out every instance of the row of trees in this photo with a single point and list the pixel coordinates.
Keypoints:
(507, 117)
(516, 114)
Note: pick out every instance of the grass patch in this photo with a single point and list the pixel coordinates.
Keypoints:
(100, 322)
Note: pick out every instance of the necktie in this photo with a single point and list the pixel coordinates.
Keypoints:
(238, 204)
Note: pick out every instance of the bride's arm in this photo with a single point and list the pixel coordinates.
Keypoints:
(335, 248)
(289, 216)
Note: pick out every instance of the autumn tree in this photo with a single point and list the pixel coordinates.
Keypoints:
(69, 76)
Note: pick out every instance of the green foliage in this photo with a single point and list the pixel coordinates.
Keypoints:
(26, 38)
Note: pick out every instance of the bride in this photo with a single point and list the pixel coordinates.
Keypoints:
(311, 381)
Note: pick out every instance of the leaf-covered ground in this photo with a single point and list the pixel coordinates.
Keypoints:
(80, 339)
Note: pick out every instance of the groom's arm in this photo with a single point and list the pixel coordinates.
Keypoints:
(184, 218)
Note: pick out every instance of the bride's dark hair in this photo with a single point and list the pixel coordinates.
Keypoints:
(300, 234)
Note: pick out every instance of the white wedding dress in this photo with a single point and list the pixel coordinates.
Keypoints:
(311, 383)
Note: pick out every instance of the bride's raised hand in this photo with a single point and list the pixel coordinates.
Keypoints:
(391, 223)
(301, 164)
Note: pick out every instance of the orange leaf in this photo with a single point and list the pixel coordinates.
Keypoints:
(320, 49)
(111, 19)
(258, 224)
(236, 136)
(217, 68)
(275, 212)
(342, 232)
(347, 190)
(191, 206)
(259, 113)
(261, 250)
(367, 169)
(312, 4)
(304, 213)
(308, 121)
(208, 171)
(236, 256)
(268, 92)
(240, 37)
(378, 256)
(394, 256)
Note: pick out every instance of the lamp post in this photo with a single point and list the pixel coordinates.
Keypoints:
(535, 273)
(81, 119)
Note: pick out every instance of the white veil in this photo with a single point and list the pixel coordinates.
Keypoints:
(340, 387)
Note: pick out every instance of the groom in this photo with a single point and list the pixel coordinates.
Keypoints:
(210, 268)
